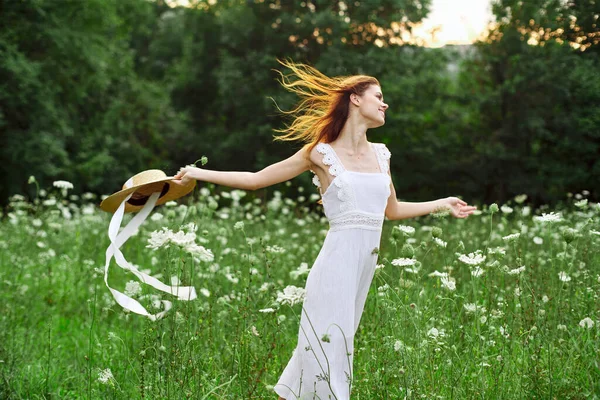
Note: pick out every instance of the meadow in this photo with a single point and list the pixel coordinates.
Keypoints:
(502, 305)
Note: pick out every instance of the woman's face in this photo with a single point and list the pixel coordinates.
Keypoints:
(372, 107)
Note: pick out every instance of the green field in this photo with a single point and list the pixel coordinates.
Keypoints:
(522, 323)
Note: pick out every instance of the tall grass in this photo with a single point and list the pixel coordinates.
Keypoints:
(501, 332)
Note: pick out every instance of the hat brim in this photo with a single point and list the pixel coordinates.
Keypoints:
(169, 191)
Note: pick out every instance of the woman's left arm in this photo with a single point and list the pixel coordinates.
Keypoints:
(396, 210)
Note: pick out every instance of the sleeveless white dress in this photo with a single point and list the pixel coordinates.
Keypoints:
(338, 283)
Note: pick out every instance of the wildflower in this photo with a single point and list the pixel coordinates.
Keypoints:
(49, 202)
(448, 283)
(511, 238)
(516, 271)
(477, 272)
(586, 323)
(517, 292)
(156, 216)
(275, 249)
(291, 295)
(302, 270)
(438, 274)
(545, 299)
(440, 242)
(538, 240)
(581, 203)
(526, 211)
(203, 160)
(472, 307)
(493, 208)
(434, 333)
(63, 185)
(506, 209)
(562, 275)
(398, 345)
(520, 198)
(201, 252)
(205, 292)
(562, 327)
(255, 331)
(403, 262)
(552, 217)
(159, 238)
(267, 310)
(473, 258)
(407, 230)
(593, 232)
(379, 266)
(238, 226)
(106, 377)
(133, 288)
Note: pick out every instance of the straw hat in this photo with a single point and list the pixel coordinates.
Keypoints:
(142, 186)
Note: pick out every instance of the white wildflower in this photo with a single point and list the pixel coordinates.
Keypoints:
(506, 209)
(440, 242)
(408, 230)
(267, 310)
(254, 331)
(511, 238)
(448, 283)
(403, 262)
(517, 292)
(238, 226)
(545, 299)
(65, 185)
(133, 288)
(581, 203)
(434, 333)
(552, 217)
(538, 240)
(477, 272)
(205, 292)
(587, 322)
(472, 307)
(516, 271)
(472, 258)
(438, 274)
(275, 249)
(159, 238)
(291, 295)
(156, 216)
(105, 377)
(562, 275)
(520, 198)
(561, 327)
(302, 270)
(201, 252)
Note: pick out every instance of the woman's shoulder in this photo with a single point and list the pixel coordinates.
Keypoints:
(382, 149)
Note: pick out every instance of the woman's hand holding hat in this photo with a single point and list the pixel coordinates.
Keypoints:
(186, 174)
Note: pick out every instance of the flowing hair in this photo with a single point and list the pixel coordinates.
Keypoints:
(324, 106)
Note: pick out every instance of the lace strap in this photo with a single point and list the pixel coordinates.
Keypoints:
(383, 155)
(330, 159)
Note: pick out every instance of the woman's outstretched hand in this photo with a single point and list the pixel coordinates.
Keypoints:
(459, 208)
(186, 174)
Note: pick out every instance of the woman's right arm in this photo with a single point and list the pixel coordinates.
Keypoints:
(275, 173)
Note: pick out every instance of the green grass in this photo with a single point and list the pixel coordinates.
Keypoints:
(60, 326)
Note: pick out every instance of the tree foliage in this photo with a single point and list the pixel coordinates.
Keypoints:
(95, 91)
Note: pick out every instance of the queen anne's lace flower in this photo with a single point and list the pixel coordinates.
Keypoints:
(552, 217)
(587, 322)
(472, 258)
(403, 262)
(291, 295)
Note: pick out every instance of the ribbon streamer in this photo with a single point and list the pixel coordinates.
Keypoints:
(117, 240)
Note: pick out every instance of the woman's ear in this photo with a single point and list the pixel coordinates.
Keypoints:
(355, 99)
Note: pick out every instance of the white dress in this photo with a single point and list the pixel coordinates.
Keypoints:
(338, 283)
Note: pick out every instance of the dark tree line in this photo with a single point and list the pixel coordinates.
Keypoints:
(94, 91)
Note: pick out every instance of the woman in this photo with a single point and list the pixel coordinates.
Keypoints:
(353, 176)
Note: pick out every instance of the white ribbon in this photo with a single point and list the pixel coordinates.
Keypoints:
(117, 240)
